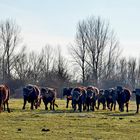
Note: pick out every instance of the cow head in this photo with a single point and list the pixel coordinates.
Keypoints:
(75, 96)
(90, 94)
(67, 91)
(37, 102)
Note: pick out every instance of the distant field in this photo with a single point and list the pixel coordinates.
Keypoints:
(64, 124)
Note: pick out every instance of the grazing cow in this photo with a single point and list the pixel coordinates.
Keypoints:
(137, 93)
(78, 98)
(31, 93)
(123, 97)
(4, 97)
(48, 95)
(67, 93)
(92, 95)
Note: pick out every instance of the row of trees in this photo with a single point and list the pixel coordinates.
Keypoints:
(96, 59)
(97, 54)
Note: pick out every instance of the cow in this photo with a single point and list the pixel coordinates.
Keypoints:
(123, 97)
(67, 93)
(48, 95)
(137, 93)
(31, 93)
(92, 94)
(78, 98)
(108, 98)
(111, 98)
(102, 98)
(4, 97)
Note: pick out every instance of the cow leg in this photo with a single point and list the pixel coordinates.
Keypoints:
(127, 104)
(67, 103)
(98, 105)
(24, 104)
(8, 109)
(111, 106)
(114, 106)
(93, 105)
(4, 106)
(74, 106)
(32, 105)
(84, 106)
(46, 106)
(53, 104)
(108, 104)
(137, 108)
(88, 106)
(122, 107)
(137, 103)
(104, 106)
(80, 107)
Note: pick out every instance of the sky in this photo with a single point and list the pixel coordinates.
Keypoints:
(54, 22)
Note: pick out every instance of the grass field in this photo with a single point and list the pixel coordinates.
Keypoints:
(65, 124)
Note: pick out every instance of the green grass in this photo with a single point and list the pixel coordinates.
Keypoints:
(65, 124)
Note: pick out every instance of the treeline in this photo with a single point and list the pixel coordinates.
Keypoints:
(95, 59)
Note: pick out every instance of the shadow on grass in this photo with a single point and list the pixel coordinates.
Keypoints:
(122, 115)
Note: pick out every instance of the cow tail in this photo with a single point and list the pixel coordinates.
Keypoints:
(55, 104)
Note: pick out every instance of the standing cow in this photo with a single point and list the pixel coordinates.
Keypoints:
(4, 97)
(137, 93)
(123, 97)
(48, 95)
(67, 93)
(78, 98)
(92, 95)
(31, 93)
(111, 98)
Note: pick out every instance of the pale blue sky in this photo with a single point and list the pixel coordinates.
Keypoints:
(54, 21)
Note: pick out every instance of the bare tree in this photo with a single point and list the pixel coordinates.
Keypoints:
(96, 38)
(132, 72)
(21, 65)
(61, 67)
(9, 39)
(78, 51)
(111, 58)
(48, 57)
(36, 67)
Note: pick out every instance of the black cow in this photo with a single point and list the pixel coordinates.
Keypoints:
(48, 95)
(137, 93)
(92, 94)
(107, 97)
(78, 98)
(123, 97)
(67, 93)
(4, 97)
(102, 98)
(31, 93)
(111, 98)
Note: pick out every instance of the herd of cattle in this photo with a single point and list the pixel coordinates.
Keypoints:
(83, 98)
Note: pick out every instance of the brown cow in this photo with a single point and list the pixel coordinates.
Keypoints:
(48, 95)
(4, 97)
